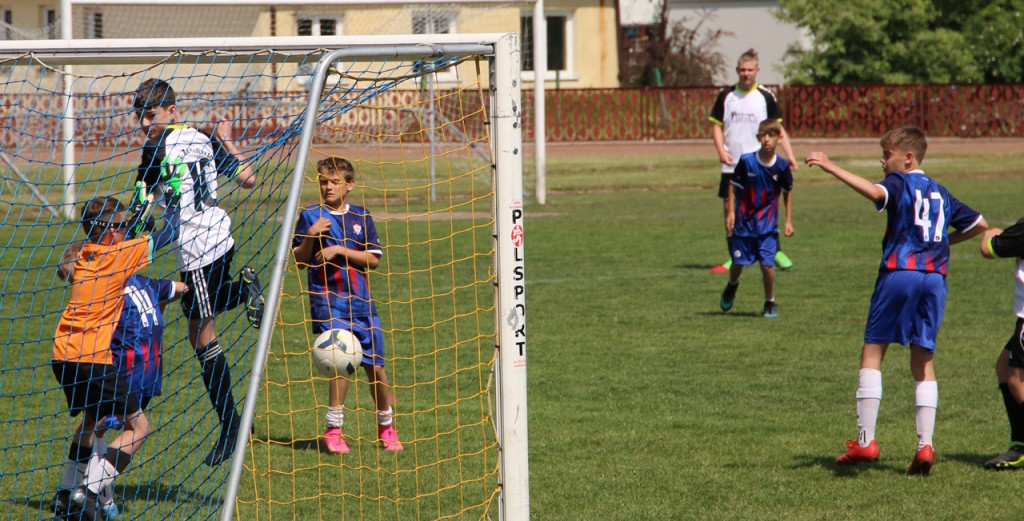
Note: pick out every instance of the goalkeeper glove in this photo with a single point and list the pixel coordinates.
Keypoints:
(171, 173)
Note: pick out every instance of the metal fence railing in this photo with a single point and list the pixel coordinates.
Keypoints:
(655, 114)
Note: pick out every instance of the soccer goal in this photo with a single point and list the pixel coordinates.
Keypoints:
(439, 167)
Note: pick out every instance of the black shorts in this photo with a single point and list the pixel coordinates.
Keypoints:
(1016, 345)
(210, 289)
(97, 389)
(723, 186)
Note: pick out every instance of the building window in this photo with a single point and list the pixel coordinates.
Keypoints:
(559, 29)
(96, 25)
(8, 16)
(52, 29)
(433, 22)
(318, 27)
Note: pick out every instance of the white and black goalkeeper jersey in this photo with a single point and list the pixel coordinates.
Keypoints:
(205, 233)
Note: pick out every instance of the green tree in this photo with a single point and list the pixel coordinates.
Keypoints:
(883, 41)
(995, 36)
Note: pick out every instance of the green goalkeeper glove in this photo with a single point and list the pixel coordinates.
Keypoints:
(171, 173)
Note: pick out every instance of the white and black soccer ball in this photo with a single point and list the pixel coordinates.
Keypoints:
(336, 352)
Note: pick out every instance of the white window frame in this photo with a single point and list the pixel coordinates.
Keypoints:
(569, 72)
(315, 23)
(448, 75)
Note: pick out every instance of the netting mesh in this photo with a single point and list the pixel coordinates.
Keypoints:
(423, 168)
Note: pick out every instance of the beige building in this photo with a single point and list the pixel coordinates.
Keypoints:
(582, 50)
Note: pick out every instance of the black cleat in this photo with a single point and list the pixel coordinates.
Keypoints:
(61, 503)
(253, 297)
(84, 505)
(728, 295)
(222, 449)
(1009, 460)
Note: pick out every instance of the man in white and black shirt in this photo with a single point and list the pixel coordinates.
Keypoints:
(183, 160)
(738, 111)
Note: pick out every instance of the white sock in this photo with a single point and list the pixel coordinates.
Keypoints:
(385, 418)
(74, 473)
(335, 417)
(100, 474)
(99, 448)
(926, 400)
(869, 398)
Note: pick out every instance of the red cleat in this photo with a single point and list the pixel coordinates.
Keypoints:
(855, 453)
(923, 461)
(721, 268)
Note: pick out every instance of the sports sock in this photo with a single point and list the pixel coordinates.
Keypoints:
(74, 467)
(869, 398)
(335, 417)
(385, 418)
(1014, 413)
(217, 379)
(103, 469)
(926, 400)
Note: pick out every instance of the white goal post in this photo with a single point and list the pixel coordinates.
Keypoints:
(501, 55)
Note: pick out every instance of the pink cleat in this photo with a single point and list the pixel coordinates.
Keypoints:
(923, 461)
(334, 441)
(389, 437)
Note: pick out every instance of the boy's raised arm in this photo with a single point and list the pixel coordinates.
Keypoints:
(859, 184)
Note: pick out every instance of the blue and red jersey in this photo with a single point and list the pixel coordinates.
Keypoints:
(336, 289)
(758, 186)
(920, 212)
(137, 344)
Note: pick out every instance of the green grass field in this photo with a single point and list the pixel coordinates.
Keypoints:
(645, 400)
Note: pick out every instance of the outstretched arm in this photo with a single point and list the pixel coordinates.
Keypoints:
(859, 184)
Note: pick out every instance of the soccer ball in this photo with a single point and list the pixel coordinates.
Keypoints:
(336, 352)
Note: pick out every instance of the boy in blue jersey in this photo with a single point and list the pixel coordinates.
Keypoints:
(910, 293)
(136, 347)
(338, 244)
(997, 243)
(752, 219)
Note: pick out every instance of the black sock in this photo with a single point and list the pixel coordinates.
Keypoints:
(217, 379)
(1014, 413)
(118, 458)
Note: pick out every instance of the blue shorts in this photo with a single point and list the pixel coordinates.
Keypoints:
(906, 308)
(367, 331)
(748, 250)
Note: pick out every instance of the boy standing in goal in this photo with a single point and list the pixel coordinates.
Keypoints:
(182, 157)
(338, 243)
(910, 292)
(82, 360)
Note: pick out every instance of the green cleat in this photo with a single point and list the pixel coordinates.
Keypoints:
(1009, 460)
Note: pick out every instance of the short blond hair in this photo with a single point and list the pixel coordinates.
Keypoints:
(908, 138)
(769, 127)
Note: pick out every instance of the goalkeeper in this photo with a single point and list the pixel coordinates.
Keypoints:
(190, 161)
